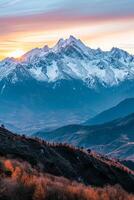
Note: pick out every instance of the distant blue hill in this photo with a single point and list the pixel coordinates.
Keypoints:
(123, 109)
(114, 139)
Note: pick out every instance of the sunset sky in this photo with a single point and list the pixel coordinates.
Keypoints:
(25, 24)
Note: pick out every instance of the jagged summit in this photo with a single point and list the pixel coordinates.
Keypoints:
(68, 42)
(71, 58)
(119, 53)
(71, 39)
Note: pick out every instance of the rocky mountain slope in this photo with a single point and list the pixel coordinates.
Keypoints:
(114, 139)
(63, 160)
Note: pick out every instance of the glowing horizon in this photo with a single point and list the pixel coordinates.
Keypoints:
(98, 23)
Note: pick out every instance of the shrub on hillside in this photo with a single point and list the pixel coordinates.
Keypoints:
(19, 181)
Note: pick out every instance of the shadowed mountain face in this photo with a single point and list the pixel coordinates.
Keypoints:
(63, 160)
(115, 139)
(69, 83)
(123, 109)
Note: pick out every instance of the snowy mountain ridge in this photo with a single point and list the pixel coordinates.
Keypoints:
(70, 59)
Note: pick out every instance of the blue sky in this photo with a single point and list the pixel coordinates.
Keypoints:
(92, 7)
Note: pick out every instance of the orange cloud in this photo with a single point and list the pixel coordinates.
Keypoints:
(26, 32)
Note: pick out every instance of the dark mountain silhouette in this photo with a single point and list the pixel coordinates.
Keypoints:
(114, 138)
(123, 109)
(67, 161)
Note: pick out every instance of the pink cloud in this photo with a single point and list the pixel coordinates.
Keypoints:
(51, 21)
(58, 22)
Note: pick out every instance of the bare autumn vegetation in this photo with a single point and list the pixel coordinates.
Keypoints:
(19, 181)
(63, 160)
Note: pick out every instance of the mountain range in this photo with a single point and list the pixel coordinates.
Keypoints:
(114, 139)
(70, 59)
(69, 83)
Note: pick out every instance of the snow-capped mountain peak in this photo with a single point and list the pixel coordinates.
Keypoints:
(8, 60)
(71, 58)
(71, 41)
(118, 52)
(34, 53)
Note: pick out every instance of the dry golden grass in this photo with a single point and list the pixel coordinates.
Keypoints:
(19, 181)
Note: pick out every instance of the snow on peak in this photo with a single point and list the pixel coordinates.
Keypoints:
(35, 53)
(30, 54)
(9, 60)
(64, 43)
(52, 64)
(116, 52)
(68, 42)
(59, 45)
(72, 39)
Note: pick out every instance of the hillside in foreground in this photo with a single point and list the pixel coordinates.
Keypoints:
(19, 181)
(62, 160)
